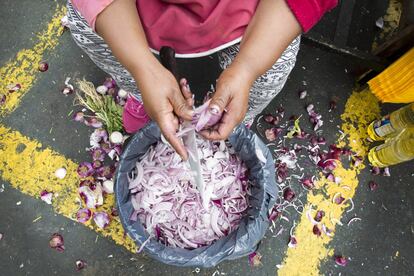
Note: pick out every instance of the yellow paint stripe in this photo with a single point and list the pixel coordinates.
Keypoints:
(23, 69)
(30, 167)
(361, 108)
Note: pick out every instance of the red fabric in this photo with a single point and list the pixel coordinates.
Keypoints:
(198, 26)
(309, 12)
(194, 26)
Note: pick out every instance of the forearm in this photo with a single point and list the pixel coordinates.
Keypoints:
(120, 26)
(271, 30)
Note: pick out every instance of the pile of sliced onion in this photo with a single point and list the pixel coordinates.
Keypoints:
(167, 202)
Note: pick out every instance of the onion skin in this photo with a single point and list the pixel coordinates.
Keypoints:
(316, 231)
(341, 260)
(80, 264)
(289, 194)
(83, 215)
(43, 66)
(255, 259)
(56, 242)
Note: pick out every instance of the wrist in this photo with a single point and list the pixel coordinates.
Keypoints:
(242, 70)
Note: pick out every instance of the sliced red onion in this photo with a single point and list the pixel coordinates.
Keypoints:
(98, 154)
(79, 117)
(83, 215)
(302, 94)
(292, 242)
(255, 259)
(289, 194)
(170, 207)
(101, 219)
(316, 231)
(373, 185)
(46, 196)
(319, 215)
(43, 66)
(80, 264)
(60, 173)
(85, 169)
(56, 242)
(341, 260)
(13, 87)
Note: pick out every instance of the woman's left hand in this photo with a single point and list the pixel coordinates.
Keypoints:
(231, 97)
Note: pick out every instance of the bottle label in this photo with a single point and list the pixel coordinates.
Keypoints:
(383, 127)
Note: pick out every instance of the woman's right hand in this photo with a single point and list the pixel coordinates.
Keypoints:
(165, 102)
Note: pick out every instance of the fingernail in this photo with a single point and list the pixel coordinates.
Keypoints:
(214, 109)
(188, 87)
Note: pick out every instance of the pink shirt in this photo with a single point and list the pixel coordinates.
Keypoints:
(200, 27)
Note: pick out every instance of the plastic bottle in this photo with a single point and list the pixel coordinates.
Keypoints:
(390, 125)
(394, 150)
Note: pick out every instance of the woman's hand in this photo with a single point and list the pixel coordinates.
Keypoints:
(271, 30)
(231, 96)
(120, 26)
(164, 101)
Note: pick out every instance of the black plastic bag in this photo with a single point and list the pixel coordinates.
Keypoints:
(240, 242)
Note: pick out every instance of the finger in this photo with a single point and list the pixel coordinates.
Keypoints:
(220, 100)
(181, 108)
(223, 129)
(168, 130)
(185, 89)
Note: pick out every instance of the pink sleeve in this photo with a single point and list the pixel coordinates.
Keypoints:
(90, 9)
(308, 12)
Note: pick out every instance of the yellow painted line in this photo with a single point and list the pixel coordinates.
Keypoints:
(23, 69)
(30, 167)
(361, 108)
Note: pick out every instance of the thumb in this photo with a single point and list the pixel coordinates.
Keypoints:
(219, 101)
(181, 108)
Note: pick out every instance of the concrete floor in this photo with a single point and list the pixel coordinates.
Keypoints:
(387, 224)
